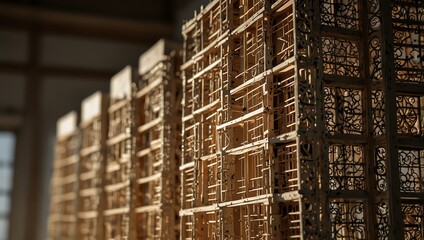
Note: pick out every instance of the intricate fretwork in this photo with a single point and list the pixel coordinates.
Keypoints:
(381, 170)
(408, 38)
(411, 170)
(378, 112)
(340, 13)
(375, 57)
(413, 220)
(310, 115)
(347, 220)
(344, 110)
(301, 120)
(382, 220)
(340, 57)
(346, 167)
(409, 115)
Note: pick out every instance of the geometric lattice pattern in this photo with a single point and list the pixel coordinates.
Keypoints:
(300, 119)
(156, 158)
(64, 185)
(91, 198)
(343, 146)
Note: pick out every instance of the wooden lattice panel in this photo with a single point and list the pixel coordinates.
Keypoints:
(301, 119)
(231, 99)
(158, 120)
(64, 184)
(94, 126)
(117, 217)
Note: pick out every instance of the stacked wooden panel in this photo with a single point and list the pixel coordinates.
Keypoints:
(365, 82)
(94, 126)
(249, 195)
(301, 119)
(347, 141)
(317, 130)
(406, 91)
(202, 89)
(157, 131)
(239, 165)
(64, 185)
(119, 157)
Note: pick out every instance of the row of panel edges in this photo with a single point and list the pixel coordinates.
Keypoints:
(116, 172)
(238, 173)
(276, 119)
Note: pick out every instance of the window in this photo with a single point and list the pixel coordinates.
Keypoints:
(7, 149)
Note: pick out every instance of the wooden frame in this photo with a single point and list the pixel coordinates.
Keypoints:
(94, 127)
(157, 123)
(296, 124)
(117, 186)
(304, 116)
(64, 185)
(228, 166)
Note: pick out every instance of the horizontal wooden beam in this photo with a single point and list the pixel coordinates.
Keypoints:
(410, 88)
(411, 142)
(26, 69)
(10, 120)
(13, 16)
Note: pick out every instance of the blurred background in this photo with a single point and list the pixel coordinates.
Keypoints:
(53, 54)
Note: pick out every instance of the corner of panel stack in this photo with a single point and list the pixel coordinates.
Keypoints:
(91, 198)
(157, 129)
(239, 164)
(119, 144)
(64, 182)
